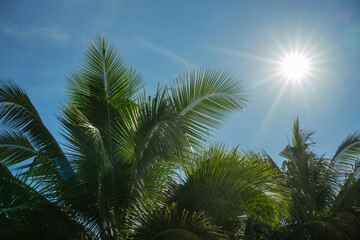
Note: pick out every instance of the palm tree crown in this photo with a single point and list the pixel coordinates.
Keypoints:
(324, 206)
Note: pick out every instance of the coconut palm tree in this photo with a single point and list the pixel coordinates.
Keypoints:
(324, 191)
(130, 166)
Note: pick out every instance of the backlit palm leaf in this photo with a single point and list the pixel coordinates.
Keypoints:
(28, 140)
(225, 185)
(203, 99)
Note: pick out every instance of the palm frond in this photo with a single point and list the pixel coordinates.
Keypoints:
(226, 185)
(203, 99)
(23, 210)
(324, 228)
(348, 198)
(347, 154)
(103, 85)
(174, 223)
(93, 167)
(152, 129)
(15, 148)
(25, 137)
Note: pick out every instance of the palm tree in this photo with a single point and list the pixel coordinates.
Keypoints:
(324, 191)
(131, 166)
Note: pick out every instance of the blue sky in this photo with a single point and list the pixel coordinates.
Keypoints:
(42, 41)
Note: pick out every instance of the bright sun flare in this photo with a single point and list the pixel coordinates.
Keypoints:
(295, 66)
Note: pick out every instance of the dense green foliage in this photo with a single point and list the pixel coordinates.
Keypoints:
(324, 191)
(135, 167)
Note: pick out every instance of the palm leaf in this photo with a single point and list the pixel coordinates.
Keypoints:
(173, 223)
(203, 99)
(348, 198)
(93, 167)
(26, 138)
(226, 185)
(23, 210)
(347, 155)
(323, 228)
(152, 129)
(103, 84)
(15, 148)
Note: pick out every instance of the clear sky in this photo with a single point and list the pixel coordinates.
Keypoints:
(42, 41)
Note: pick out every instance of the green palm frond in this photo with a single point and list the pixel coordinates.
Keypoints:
(103, 85)
(345, 163)
(348, 197)
(85, 138)
(92, 191)
(203, 99)
(24, 210)
(347, 155)
(226, 185)
(174, 223)
(154, 132)
(25, 139)
(17, 112)
(15, 148)
(264, 158)
(324, 228)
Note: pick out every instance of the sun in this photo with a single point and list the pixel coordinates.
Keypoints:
(295, 66)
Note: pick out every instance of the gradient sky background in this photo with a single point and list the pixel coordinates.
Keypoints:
(42, 41)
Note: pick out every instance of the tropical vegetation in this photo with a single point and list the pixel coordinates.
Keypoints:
(132, 166)
(324, 191)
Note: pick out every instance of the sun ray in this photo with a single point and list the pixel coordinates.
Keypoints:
(272, 109)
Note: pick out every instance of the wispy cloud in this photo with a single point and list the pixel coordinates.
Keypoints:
(48, 33)
(164, 51)
(238, 53)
